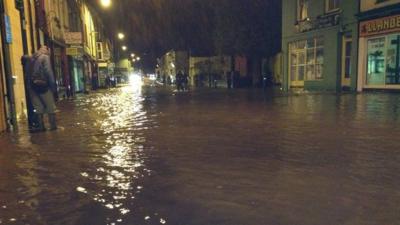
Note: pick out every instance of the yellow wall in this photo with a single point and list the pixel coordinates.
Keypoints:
(16, 51)
(89, 32)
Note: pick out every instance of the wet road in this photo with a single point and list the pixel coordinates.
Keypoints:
(145, 155)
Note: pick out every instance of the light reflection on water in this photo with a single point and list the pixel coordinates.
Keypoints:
(123, 158)
(217, 159)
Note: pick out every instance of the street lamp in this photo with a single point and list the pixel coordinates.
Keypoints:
(124, 48)
(121, 36)
(105, 3)
(137, 58)
(132, 55)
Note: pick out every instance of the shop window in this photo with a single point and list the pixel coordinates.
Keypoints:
(393, 59)
(302, 9)
(383, 65)
(376, 61)
(307, 59)
(332, 5)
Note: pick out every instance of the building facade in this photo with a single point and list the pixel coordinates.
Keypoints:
(379, 45)
(73, 37)
(67, 27)
(203, 69)
(90, 34)
(171, 63)
(18, 38)
(56, 25)
(319, 44)
(104, 48)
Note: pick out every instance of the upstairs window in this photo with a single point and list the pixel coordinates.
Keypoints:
(332, 5)
(302, 9)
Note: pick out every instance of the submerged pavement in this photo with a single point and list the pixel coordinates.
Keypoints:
(146, 155)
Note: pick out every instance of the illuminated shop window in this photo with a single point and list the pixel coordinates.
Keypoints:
(307, 59)
(383, 60)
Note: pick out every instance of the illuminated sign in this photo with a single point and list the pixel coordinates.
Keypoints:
(380, 26)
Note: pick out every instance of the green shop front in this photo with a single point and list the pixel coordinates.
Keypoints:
(321, 54)
(379, 53)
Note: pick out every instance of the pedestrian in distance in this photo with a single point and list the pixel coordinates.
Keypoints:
(108, 81)
(179, 81)
(42, 88)
(185, 81)
(228, 80)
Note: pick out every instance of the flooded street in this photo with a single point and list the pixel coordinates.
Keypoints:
(147, 155)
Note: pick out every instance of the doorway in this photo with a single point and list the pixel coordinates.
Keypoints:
(346, 61)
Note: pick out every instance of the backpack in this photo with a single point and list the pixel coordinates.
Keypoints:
(38, 79)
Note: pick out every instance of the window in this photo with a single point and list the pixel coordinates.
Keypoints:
(99, 50)
(393, 59)
(332, 5)
(383, 65)
(302, 9)
(306, 59)
(376, 61)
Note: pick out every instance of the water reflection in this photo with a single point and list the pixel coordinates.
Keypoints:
(136, 156)
(123, 158)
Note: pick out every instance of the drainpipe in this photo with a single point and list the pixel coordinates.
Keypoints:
(12, 116)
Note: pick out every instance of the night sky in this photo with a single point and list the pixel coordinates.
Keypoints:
(205, 27)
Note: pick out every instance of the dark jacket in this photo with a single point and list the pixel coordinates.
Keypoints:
(42, 58)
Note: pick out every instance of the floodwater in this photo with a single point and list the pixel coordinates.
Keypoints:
(147, 155)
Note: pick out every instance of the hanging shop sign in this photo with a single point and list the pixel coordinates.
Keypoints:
(74, 51)
(380, 26)
(318, 23)
(73, 37)
(102, 64)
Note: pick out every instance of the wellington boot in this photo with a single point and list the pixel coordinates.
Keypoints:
(52, 121)
(40, 124)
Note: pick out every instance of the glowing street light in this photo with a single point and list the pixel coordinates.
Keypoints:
(124, 48)
(137, 58)
(105, 3)
(132, 55)
(121, 36)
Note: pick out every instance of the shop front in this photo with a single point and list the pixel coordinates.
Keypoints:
(76, 68)
(61, 70)
(102, 74)
(379, 53)
(319, 49)
(77, 74)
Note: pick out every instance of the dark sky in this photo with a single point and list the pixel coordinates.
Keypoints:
(153, 27)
